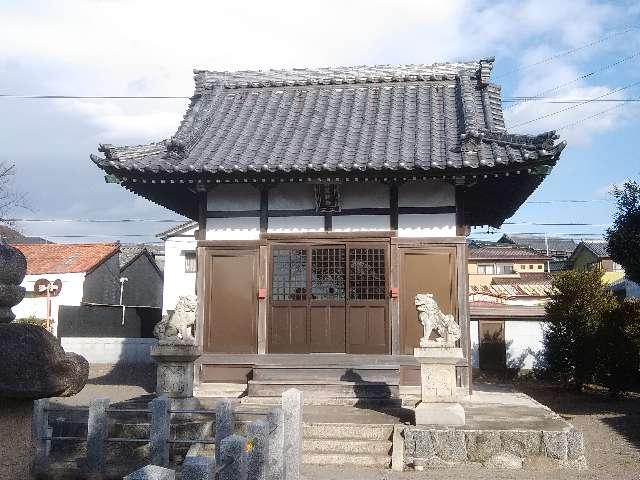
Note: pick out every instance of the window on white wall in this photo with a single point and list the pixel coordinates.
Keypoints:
(504, 269)
(190, 262)
(486, 269)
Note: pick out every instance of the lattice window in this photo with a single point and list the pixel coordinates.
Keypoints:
(289, 274)
(328, 273)
(190, 263)
(366, 274)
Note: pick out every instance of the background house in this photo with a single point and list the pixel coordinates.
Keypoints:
(508, 289)
(594, 254)
(559, 249)
(179, 263)
(89, 273)
(144, 278)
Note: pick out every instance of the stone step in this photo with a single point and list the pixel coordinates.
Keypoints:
(327, 401)
(347, 431)
(346, 446)
(376, 373)
(322, 389)
(330, 458)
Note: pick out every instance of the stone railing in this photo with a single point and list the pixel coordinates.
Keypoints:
(271, 448)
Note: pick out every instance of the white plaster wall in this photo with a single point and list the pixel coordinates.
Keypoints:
(292, 196)
(295, 224)
(110, 350)
(427, 225)
(71, 294)
(474, 338)
(361, 223)
(176, 281)
(428, 193)
(524, 339)
(241, 228)
(365, 195)
(234, 197)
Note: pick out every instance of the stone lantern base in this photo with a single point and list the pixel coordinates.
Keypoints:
(439, 405)
(175, 368)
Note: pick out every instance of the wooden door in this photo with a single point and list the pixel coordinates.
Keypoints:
(368, 326)
(423, 270)
(327, 299)
(230, 324)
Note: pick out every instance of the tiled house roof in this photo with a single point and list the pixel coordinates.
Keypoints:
(539, 243)
(66, 258)
(440, 120)
(504, 253)
(599, 249)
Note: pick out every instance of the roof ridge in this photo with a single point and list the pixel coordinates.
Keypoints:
(207, 80)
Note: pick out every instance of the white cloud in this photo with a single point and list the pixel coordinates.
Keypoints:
(148, 47)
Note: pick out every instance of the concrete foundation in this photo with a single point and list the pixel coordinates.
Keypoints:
(16, 447)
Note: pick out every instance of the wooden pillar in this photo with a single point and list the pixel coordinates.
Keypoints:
(263, 303)
(393, 206)
(264, 208)
(394, 303)
(462, 273)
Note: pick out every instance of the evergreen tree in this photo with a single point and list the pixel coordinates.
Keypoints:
(624, 237)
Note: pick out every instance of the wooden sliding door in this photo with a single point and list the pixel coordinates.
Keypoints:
(328, 298)
(230, 322)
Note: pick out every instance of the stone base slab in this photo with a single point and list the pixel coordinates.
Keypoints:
(440, 413)
(502, 449)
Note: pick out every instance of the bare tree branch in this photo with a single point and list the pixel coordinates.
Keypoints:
(9, 198)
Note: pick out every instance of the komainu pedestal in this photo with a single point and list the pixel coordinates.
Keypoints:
(438, 357)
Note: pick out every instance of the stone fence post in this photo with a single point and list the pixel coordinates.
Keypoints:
(233, 453)
(39, 432)
(275, 444)
(292, 433)
(97, 432)
(160, 431)
(225, 425)
(258, 462)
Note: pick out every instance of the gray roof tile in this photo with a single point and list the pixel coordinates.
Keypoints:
(388, 117)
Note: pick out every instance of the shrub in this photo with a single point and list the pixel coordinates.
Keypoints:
(33, 320)
(578, 304)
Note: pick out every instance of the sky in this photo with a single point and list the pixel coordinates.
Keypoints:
(570, 49)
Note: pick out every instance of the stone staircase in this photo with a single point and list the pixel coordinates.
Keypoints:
(347, 444)
(326, 384)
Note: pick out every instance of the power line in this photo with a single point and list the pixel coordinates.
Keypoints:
(567, 52)
(577, 79)
(584, 119)
(93, 220)
(547, 115)
(568, 201)
(91, 97)
(560, 224)
(571, 100)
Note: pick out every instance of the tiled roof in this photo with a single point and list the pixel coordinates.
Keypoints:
(11, 236)
(490, 310)
(539, 243)
(440, 117)
(503, 253)
(511, 290)
(180, 228)
(66, 258)
(524, 278)
(599, 249)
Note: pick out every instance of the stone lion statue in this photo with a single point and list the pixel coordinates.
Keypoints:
(433, 320)
(177, 326)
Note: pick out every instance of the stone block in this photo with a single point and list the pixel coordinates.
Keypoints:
(152, 472)
(16, 448)
(198, 468)
(397, 452)
(504, 460)
(175, 369)
(258, 438)
(579, 463)
(555, 445)
(225, 425)
(276, 444)
(97, 431)
(523, 443)
(450, 445)
(575, 444)
(292, 434)
(159, 430)
(233, 457)
(440, 413)
(482, 445)
(419, 443)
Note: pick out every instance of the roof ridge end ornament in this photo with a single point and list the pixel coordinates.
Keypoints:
(176, 146)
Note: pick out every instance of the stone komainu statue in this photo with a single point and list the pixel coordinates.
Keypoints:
(433, 320)
(177, 326)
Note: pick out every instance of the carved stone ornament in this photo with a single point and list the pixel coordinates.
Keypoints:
(177, 326)
(446, 329)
